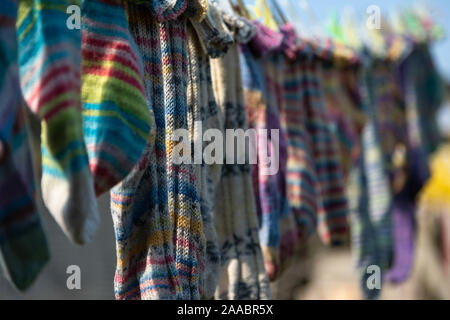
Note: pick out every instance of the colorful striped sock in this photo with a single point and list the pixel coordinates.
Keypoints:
(332, 211)
(202, 107)
(50, 60)
(371, 198)
(184, 203)
(156, 209)
(116, 118)
(268, 188)
(23, 246)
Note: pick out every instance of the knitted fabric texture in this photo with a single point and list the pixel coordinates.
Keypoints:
(243, 275)
(214, 35)
(422, 94)
(23, 246)
(392, 125)
(50, 60)
(344, 115)
(371, 198)
(203, 114)
(117, 121)
(390, 114)
(315, 181)
(270, 190)
(156, 209)
(332, 224)
(271, 47)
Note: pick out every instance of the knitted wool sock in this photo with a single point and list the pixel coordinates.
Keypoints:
(270, 46)
(339, 111)
(203, 107)
(184, 205)
(333, 208)
(243, 275)
(371, 220)
(265, 40)
(143, 227)
(49, 58)
(392, 124)
(271, 201)
(116, 119)
(23, 247)
(156, 211)
(301, 174)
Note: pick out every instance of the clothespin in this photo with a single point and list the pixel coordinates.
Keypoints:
(334, 29)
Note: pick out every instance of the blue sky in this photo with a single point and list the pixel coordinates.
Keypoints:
(440, 10)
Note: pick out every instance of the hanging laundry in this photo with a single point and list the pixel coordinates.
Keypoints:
(23, 245)
(243, 275)
(371, 198)
(50, 61)
(422, 95)
(269, 201)
(315, 180)
(203, 114)
(156, 209)
(277, 227)
(332, 224)
(345, 118)
(116, 119)
(390, 122)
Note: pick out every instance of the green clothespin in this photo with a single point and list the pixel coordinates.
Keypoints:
(333, 28)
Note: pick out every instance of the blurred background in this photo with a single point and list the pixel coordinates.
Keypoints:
(316, 273)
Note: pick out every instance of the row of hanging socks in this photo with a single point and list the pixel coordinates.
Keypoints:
(344, 44)
(344, 41)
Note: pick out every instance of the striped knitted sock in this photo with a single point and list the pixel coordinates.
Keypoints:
(243, 274)
(333, 209)
(23, 247)
(156, 209)
(270, 46)
(203, 107)
(139, 204)
(371, 200)
(116, 118)
(183, 198)
(267, 187)
(301, 174)
(50, 59)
